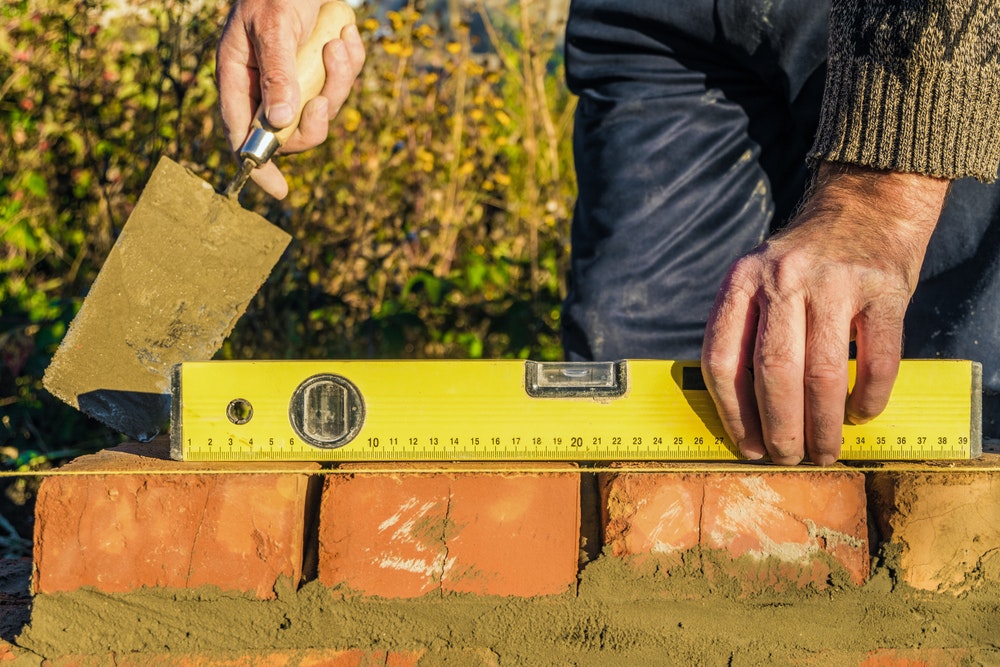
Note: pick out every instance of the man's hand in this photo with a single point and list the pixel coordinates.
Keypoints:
(255, 65)
(777, 343)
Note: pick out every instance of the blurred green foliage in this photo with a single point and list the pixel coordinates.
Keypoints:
(433, 223)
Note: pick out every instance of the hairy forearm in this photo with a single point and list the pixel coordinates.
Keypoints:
(883, 214)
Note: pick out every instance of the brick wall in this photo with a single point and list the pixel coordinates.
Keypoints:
(132, 521)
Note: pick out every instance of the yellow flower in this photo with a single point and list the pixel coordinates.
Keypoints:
(502, 117)
(351, 119)
(425, 159)
(453, 47)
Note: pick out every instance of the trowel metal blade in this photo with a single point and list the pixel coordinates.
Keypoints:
(180, 275)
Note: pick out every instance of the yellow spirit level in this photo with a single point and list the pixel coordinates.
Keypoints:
(523, 410)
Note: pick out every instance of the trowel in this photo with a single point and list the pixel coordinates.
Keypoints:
(180, 274)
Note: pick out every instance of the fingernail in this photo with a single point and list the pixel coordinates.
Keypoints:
(351, 32)
(280, 114)
(825, 459)
(856, 420)
(752, 449)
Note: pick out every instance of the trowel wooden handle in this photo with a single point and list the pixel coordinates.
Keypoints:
(333, 17)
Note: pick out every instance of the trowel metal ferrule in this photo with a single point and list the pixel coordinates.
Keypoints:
(258, 148)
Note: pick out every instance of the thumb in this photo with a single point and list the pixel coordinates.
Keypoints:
(274, 43)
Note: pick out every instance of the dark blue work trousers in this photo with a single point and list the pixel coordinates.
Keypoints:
(693, 124)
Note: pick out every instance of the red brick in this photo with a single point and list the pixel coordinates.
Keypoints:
(7, 652)
(131, 518)
(767, 528)
(302, 658)
(945, 519)
(644, 515)
(890, 657)
(406, 534)
(925, 657)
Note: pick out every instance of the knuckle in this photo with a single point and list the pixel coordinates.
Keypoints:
(890, 301)
(744, 276)
(826, 374)
(275, 79)
(716, 366)
(787, 271)
(777, 366)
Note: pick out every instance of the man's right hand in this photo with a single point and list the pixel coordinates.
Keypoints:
(255, 65)
(776, 347)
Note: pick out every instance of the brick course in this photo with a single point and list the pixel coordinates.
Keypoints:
(406, 534)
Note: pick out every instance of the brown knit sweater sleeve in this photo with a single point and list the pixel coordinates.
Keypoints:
(913, 86)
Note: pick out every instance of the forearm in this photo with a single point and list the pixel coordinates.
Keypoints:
(880, 215)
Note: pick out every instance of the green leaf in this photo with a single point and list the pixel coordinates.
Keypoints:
(20, 237)
(475, 274)
(36, 185)
(434, 287)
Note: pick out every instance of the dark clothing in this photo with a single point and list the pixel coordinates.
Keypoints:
(694, 124)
